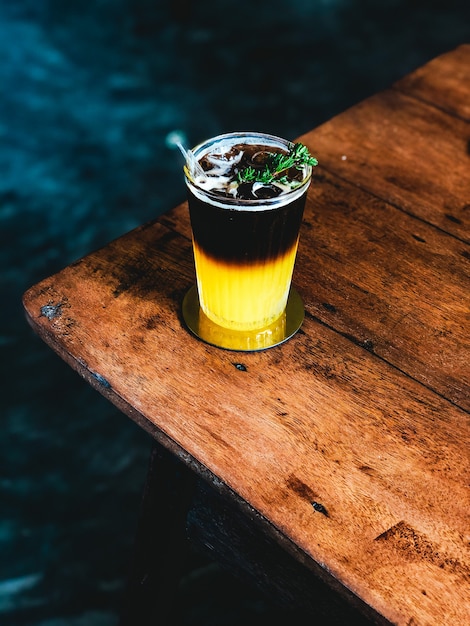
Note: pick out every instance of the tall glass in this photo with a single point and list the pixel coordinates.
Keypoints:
(244, 247)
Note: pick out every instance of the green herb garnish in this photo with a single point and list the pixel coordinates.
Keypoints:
(276, 164)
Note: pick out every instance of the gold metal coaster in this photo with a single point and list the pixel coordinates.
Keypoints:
(247, 341)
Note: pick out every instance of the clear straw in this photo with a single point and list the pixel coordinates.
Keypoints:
(177, 139)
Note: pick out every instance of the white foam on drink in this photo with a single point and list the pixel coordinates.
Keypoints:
(220, 177)
(221, 161)
(200, 189)
(221, 173)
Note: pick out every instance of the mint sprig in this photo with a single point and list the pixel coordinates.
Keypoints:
(276, 164)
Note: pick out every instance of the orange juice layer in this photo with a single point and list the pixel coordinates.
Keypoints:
(242, 296)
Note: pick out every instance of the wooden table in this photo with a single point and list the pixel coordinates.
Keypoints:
(348, 446)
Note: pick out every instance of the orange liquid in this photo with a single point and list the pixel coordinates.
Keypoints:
(244, 296)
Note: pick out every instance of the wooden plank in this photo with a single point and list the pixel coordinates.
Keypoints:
(405, 152)
(444, 82)
(318, 420)
(218, 527)
(372, 273)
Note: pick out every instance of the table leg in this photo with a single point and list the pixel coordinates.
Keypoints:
(180, 509)
(161, 547)
(235, 540)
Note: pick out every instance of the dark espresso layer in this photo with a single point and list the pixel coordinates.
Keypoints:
(238, 236)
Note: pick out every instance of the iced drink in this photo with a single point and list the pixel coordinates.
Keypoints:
(246, 209)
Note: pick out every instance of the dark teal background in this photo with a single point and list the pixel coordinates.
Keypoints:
(89, 91)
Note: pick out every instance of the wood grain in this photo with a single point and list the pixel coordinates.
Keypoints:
(391, 283)
(372, 273)
(443, 82)
(405, 152)
(319, 418)
(349, 444)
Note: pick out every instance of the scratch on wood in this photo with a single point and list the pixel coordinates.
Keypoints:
(320, 508)
(240, 367)
(368, 344)
(416, 545)
(452, 218)
(101, 379)
(51, 311)
(301, 489)
(306, 493)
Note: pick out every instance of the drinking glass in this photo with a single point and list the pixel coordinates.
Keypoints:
(244, 248)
